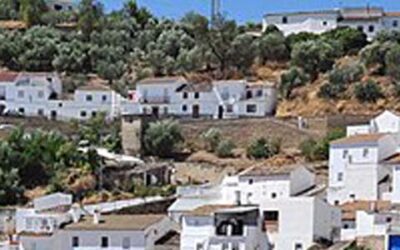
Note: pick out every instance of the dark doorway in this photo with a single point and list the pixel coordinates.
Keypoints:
(196, 111)
(53, 115)
(155, 111)
(220, 112)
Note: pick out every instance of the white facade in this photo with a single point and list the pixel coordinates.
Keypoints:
(368, 155)
(39, 94)
(370, 20)
(290, 220)
(220, 99)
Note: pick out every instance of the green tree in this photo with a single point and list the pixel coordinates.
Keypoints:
(351, 40)
(212, 138)
(162, 137)
(9, 9)
(262, 148)
(368, 92)
(272, 47)
(31, 11)
(318, 150)
(290, 80)
(225, 148)
(89, 17)
(392, 62)
(313, 57)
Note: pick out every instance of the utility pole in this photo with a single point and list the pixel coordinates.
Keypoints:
(215, 10)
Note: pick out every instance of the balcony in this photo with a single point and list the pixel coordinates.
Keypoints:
(155, 100)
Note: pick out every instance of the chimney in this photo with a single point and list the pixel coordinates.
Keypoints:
(96, 217)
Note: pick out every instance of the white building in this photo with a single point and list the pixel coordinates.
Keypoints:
(223, 227)
(370, 20)
(175, 96)
(114, 232)
(292, 219)
(369, 154)
(62, 5)
(41, 94)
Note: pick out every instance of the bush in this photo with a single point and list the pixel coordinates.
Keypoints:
(262, 148)
(351, 40)
(162, 137)
(368, 92)
(290, 80)
(314, 150)
(392, 62)
(211, 138)
(331, 90)
(225, 149)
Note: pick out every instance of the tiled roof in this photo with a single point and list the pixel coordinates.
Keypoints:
(359, 139)
(265, 169)
(314, 13)
(209, 209)
(8, 76)
(361, 13)
(162, 80)
(116, 223)
(349, 209)
(392, 14)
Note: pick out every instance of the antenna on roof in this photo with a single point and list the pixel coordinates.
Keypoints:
(215, 10)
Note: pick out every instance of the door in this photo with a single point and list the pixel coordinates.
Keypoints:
(53, 115)
(220, 112)
(196, 111)
(155, 111)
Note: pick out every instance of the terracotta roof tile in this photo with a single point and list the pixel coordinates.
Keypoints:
(8, 76)
(393, 14)
(162, 80)
(116, 222)
(393, 159)
(358, 139)
(209, 209)
(349, 209)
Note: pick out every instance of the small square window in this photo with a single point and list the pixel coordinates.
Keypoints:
(89, 98)
(104, 242)
(40, 112)
(352, 196)
(336, 203)
(229, 108)
(365, 152)
(60, 104)
(185, 95)
(184, 108)
(196, 95)
(273, 195)
(340, 176)
(395, 23)
(21, 110)
(75, 241)
(360, 28)
(104, 98)
(324, 23)
(371, 28)
(94, 113)
(83, 114)
(251, 181)
(298, 246)
(284, 20)
(251, 108)
(345, 154)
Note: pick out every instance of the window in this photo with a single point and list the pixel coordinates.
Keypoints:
(251, 108)
(324, 23)
(365, 152)
(395, 23)
(284, 19)
(371, 28)
(89, 98)
(75, 241)
(60, 104)
(360, 28)
(104, 241)
(225, 246)
(336, 203)
(249, 94)
(199, 246)
(21, 94)
(196, 95)
(21, 110)
(83, 113)
(352, 196)
(273, 195)
(229, 108)
(185, 95)
(259, 93)
(388, 219)
(251, 181)
(58, 7)
(40, 112)
(104, 98)
(340, 176)
(40, 94)
(271, 216)
(345, 153)
(345, 226)
(184, 108)
(94, 113)
(126, 243)
(298, 246)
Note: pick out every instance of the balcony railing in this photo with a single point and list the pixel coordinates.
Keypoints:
(155, 99)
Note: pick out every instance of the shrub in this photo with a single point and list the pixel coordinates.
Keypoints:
(396, 89)
(225, 149)
(352, 40)
(368, 92)
(262, 148)
(211, 138)
(290, 80)
(331, 90)
(162, 137)
(392, 62)
(314, 150)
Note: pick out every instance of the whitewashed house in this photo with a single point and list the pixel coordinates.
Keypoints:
(114, 232)
(292, 218)
(41, 94)
(175, 96)
(223, 227)
(62, 5)
(370, 20)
